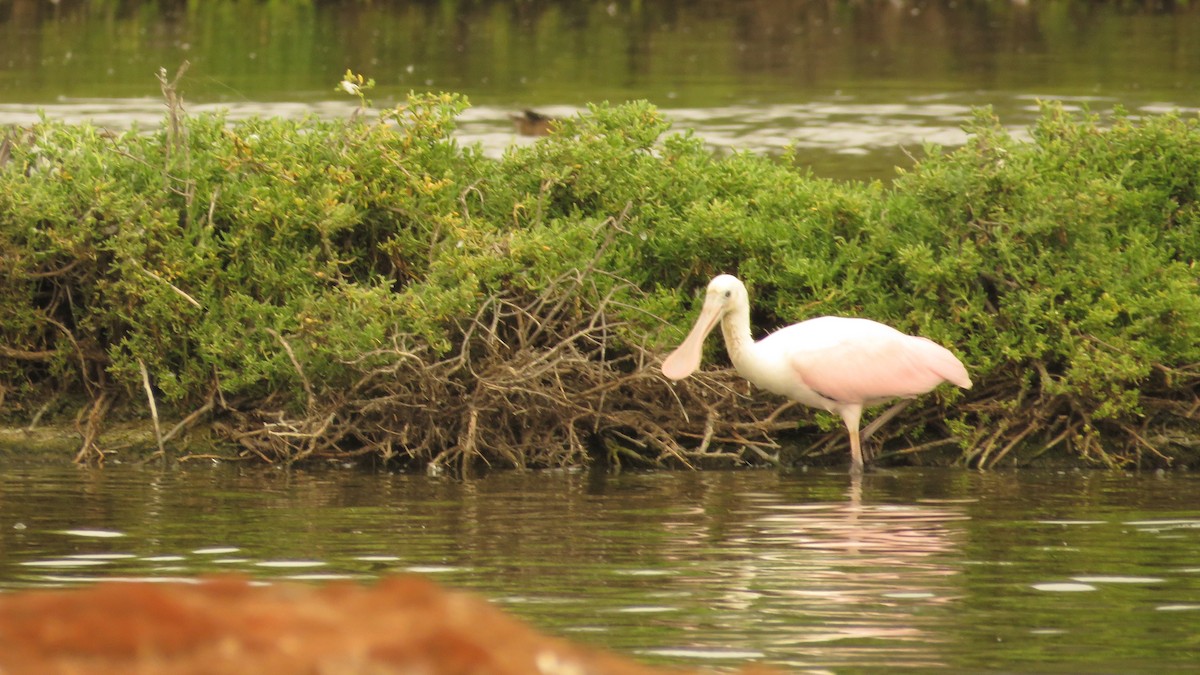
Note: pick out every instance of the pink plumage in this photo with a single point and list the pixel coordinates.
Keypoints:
(833, 363)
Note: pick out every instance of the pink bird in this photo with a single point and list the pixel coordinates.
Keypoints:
(833, 363)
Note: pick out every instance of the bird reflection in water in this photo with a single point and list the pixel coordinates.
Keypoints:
(849, 582)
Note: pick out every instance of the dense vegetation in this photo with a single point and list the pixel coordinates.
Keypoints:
(369, 287)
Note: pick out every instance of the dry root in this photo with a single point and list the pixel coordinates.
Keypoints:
(553, 378)
(536, 381)
(1026, 425)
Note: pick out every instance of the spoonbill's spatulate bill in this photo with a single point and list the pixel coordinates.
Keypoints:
(833, 363)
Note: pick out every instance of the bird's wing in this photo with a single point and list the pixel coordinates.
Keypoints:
(861, 363)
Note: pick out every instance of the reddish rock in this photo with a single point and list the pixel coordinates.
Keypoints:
(401, 626)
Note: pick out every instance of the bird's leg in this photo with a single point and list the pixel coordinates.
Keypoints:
(856, 456)
(851, 415)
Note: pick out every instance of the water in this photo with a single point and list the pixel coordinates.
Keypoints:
(925, 570)
(858, 86)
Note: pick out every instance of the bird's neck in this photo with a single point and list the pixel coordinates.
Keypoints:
(739, 343)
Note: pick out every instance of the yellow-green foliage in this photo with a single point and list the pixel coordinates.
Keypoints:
(1065, 268)
(197, 259)
(272, 261)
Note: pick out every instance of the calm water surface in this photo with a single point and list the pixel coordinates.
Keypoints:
(856, 85)
(928, 570)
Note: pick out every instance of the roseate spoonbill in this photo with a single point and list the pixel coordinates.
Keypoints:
(833, 363)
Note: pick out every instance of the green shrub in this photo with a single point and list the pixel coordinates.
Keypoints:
(1059, 267)
(369, 286)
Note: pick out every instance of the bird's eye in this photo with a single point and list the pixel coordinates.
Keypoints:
(729, 294)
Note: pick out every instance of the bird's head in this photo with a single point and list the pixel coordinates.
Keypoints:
(725, 294)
